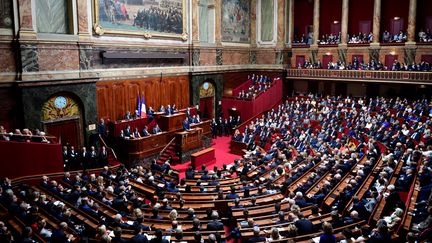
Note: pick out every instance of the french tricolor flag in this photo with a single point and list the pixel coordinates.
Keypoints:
(143, 108)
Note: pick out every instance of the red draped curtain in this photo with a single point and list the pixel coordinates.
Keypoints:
(206, 107)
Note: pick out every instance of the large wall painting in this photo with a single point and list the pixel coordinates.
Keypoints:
(236, 21)
(148, 18)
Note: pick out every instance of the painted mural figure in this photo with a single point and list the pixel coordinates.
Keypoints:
(164, 16)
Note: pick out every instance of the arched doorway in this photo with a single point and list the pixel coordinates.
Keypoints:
(207, 100)
(62, 117)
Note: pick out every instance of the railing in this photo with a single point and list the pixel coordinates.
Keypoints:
(166, 146)
(30, 138)
(401, 76)
(108, 148)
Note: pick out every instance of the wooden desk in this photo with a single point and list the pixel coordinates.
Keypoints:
(188, 140)
(171, 122)
(205, 156)
(132, 149)
(205, 125)
(237, 147)
(144, 146)
(115, 127)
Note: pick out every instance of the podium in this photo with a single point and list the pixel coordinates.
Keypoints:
(171, 122)
(188, 140)
(205, 156)
(237, 147)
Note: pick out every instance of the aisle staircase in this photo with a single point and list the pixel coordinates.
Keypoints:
(170, 151)
(112, 157)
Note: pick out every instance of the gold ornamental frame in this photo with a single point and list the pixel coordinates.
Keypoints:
(99, 29)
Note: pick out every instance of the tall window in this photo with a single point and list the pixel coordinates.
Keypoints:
(266, 19)
(206, 21)
(54, 16)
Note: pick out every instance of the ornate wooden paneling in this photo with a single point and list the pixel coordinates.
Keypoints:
(116, 97)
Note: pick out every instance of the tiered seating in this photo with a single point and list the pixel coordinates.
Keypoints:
(316, 169)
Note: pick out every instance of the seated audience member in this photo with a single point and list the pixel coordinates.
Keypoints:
(128, 116)
(127, 132)
(214, 224)
(136, 114)
(274, 235)
(150, 113)
(145, 132)
(256, 236)
(380, 233)
(158, 237)
(168, 110)
(136, 133)
(327, 236)
(156, 129)
(304, 226)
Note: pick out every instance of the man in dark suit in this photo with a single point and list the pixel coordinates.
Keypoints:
(158, 237)
(256, 237)
(214, 128)
(189, 114)
(67, 178)
(118, 236)
(156, 129)
(186, 125)
(139, 236)
(281, 216)
(127, 132)
(304, 226)
(93, 159)
(196, 225)
(59, 235)
(145, 132)
(103, 157)
(232, 194)
(214, 224)
(150, 113)
(168, 110)
(72, 155)
(128, 115)
(84, 157)
(102, 128)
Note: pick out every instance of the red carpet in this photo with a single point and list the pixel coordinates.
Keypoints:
(223, 156)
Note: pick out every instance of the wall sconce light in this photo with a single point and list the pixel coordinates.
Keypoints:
(396, 18)
(328, 53)
(392, 53)
(335, 22)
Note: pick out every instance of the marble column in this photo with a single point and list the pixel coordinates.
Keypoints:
(290, 20)
(218, 22)
(376, 21)
(344, 24)
(316, 21)
(280, 23)
(195, 21)
(253, 23)
(412, 20)
(26, 28)
(83, 19)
